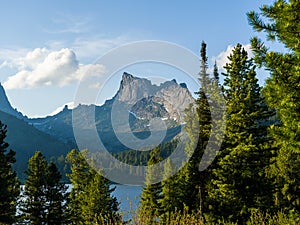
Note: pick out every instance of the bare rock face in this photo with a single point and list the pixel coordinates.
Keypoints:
(147, 108)
(168, 100)
(175, 99)
(132, 89)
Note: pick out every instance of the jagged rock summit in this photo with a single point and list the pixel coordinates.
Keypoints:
(141, 100)
(141, 95)
(133, 89)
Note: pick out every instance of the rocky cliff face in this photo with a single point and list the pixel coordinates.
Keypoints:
(5, 105)
(132, 89)
(146, 100)
(141, 100)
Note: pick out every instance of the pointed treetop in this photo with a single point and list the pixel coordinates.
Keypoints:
(216, 73)
(203, 51)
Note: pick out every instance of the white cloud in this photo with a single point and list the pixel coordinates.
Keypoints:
(222, 58)
(7, 56)
(91, 48)
(42, 67)
(33, 58)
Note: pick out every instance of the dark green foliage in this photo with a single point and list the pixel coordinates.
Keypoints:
(172, 194)
(194, 181)
(26, 140)
(98, 201)
(239, 183)
(136, 158)
(56, 197)
(44, 195)
(216, 73)
(151, 194)
(90, 198)
(281, 22)
(9, 184)
(187, 190)
(80, 176)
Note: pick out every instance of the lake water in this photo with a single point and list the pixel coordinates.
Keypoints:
(128, 196)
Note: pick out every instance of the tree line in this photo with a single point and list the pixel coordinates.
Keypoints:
(256, 171)
(45, 199)
(254, 178)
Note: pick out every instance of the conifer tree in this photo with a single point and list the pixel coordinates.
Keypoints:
(80, 176)
(34, 203)
(56, 195)
(99, 204)
(239, 182)
(194, 180)
(90, 200)
(44, 195)
(171, 200)
(280, 21)
(151, 194)
(216, 73)
(9, 184)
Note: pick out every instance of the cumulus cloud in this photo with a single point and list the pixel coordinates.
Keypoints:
(42, 67)
(8, 56)
(222, 58)
(32, 58)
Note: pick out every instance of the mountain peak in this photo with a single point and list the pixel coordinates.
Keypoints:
(133, 88)
(172, 96)
(127, 76)
(5, 105)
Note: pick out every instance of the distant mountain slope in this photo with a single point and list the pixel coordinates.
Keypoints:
(6, 107)
(26, 139)
(141, 101)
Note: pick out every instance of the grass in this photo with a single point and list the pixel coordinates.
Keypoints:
(257, 218)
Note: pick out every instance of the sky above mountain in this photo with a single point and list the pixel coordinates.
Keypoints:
(47, 46)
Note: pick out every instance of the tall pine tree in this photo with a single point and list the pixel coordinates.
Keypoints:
(56, 195)
(171, 200)
(151, 194)
(90, 200)
(80, 176)
(239, 181)
(9, 184)
(99, 205)
(34, 199)
(44, 195)
(281, 22)
(194, 180)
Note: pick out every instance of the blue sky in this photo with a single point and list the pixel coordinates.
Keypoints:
(45, 45)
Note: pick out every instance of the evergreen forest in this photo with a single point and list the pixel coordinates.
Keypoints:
(253, 179)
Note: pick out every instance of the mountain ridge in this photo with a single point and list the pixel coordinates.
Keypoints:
(53, 135)
(173, 96)
(26, 139)
(6, 107)
(139, 99)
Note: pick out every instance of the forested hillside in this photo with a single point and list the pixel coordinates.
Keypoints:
(254, 177)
